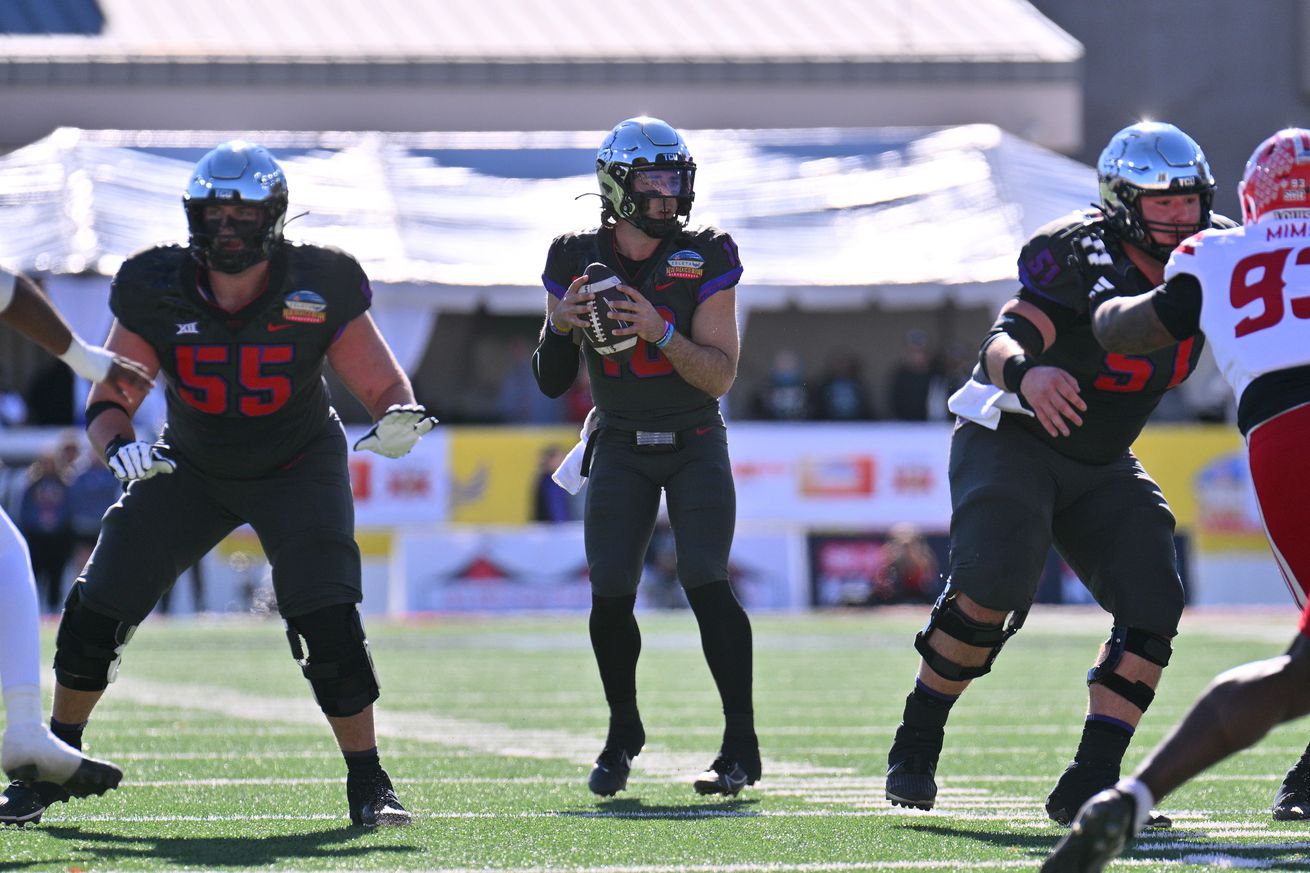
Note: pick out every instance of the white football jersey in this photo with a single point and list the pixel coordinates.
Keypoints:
(1255, 295)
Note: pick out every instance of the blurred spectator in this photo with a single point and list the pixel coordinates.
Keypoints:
(841, 395)
(550, 502)
(13, 409)
(955, 367)
(519, 400)
(43, 518)
(916, 379)
(785, 397)
(908, 572)
(92, 491)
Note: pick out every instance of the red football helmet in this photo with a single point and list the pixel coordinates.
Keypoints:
(1277, 175)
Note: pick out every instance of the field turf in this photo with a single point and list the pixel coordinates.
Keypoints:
(488, 727)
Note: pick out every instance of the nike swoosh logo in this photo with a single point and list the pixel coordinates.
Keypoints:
(661, 287)
(701, 431)
(274, 327)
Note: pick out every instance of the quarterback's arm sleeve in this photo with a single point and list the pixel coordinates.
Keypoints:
(1177, 304)
(555, 362)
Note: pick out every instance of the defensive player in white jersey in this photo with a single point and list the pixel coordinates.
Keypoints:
(1248, 290)
(30, 751)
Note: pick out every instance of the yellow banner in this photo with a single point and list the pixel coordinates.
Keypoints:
(494, 470)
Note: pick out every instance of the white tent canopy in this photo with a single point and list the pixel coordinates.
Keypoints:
(452, 221)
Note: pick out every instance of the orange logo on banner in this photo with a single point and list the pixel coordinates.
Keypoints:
(409, 484)
(913, 479)
(843, 476)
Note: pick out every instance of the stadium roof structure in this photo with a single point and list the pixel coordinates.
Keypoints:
(419, 65)
(460, 32)
(828, 218)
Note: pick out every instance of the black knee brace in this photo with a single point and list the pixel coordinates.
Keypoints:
(948, 618)
(339, 667)
(1152, 646)
(89, 645)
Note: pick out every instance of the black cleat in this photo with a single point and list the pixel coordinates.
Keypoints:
(373, 802)
(24, 802)
(912, 767)
(1099, 833)
(92, 777)
(1079, 781)
(609, 775)
(729, 774)
(1293, 800)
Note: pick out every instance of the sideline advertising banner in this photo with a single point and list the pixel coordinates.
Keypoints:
(839, 475)
(400, 491)
(494, 470)
(541, 566)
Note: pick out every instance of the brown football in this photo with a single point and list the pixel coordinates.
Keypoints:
(603, 282)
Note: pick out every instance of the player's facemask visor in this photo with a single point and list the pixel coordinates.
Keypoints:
(662, 183)
(223, 225)
(650, 188)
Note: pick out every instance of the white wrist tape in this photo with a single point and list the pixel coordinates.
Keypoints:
(89, 362)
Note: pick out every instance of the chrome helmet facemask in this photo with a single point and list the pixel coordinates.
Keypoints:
(644, 160)
(1152, 158)
(236, 173)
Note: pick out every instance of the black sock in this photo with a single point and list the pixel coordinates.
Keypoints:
(1104, 741)
(69, 733)
(725, 636)
(366, 761)
(616, 642)
(926, 708)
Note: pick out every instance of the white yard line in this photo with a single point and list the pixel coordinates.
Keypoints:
(477, 736)
(857, 795)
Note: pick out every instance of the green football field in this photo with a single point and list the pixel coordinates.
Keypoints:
(488, 726)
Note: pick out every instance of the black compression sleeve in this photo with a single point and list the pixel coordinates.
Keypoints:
(555, 363)
(1178, 306)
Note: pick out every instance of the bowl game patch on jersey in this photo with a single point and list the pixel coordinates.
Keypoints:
(686, 264)
(304, 306)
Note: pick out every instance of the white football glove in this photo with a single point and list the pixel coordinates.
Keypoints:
(137, 460)
(396, 432)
